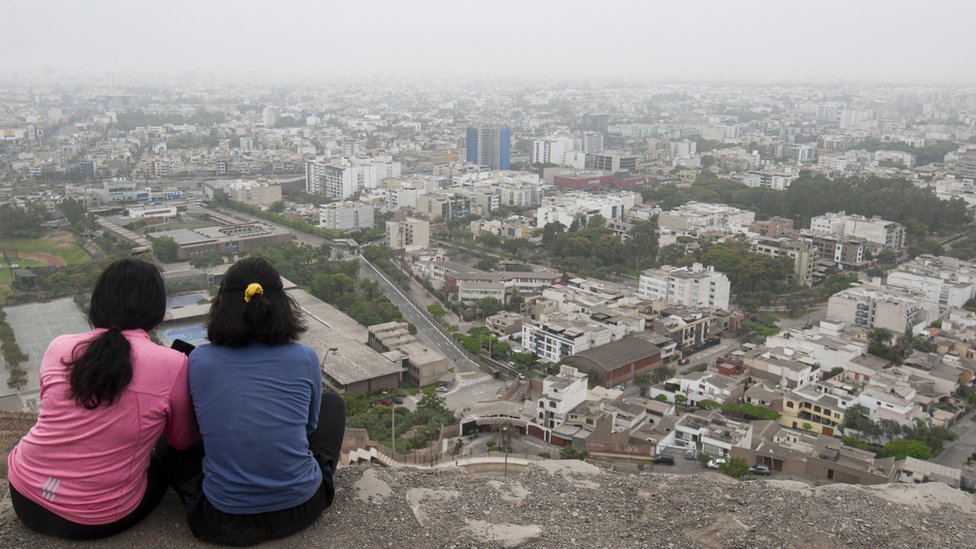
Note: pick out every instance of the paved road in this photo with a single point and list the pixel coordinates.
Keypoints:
(817, 314)
(709, 355)
(954, 454)
(427, 332)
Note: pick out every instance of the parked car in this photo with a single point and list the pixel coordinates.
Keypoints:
(619, 387)
(442, 389)
(684, 361)
(386, 402)
(760, 470)
(397, 400)
(690, 453)
(715, 463)
(664, 459)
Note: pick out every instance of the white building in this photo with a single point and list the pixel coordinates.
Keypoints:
(409, 235)
(270, 116)
(397, 199)
(683, 149)
(894, 309)
(697, 217)
(884, 234)
(769, 180)
(346, 177)
(946, 282)
(699, 386)
(592, 143)
(558, 336)
(565, 208)
(551, 151)
(257, 193)
(560, 394)
(695, 287)
(346, 216)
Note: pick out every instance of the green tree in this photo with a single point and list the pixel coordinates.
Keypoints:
(436, 311)
(489, 240)
(643, 382)
(165, 248)
(488, 306)
(433, 402)
(734, 467)
(209, 259)
(570, 452)
(552, 232)
(73, 210)
(505, 434)
(17, 379)
(19, 222)
(901, 448)
(642, 244)
(277, 207)
(661, 373)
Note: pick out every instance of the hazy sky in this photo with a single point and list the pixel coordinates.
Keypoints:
(901, 40)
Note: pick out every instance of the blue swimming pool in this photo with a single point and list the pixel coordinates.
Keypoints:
(195, 335)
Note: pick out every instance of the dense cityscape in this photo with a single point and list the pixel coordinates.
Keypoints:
(705, 270)
(670, 280)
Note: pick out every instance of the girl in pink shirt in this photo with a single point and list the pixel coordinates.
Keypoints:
(86, 469)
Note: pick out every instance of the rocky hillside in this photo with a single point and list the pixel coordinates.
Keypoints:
(562, 504)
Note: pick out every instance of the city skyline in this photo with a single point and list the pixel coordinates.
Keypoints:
(837, 41)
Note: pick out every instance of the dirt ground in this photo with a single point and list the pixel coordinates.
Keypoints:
(48, 259)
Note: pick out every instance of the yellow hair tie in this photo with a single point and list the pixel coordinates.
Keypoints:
(252, 288)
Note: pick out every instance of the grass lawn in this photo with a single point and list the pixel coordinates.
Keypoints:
(6, 275)
(60, 244)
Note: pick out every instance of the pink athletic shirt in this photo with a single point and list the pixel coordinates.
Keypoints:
(89, 466)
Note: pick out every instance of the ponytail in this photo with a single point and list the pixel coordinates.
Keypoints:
(259, 317)
(102, 371)
(128, 295)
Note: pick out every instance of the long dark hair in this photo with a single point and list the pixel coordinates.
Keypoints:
(128, 295)
(271, 317)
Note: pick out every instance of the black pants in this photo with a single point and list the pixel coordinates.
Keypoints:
(43, 521)
(185, 473)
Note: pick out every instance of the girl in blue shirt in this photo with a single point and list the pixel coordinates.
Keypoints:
(271, 438)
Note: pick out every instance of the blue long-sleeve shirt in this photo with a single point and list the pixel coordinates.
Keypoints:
(255, 406)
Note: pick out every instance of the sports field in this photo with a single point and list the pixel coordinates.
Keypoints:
(56, 249)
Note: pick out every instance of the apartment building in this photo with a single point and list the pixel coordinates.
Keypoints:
(877, 232)
(443, 206)
(894, 309)
(698, 217)
(559, 335)
(697, 286)
(346, 216)
(946, 282)
(847, 253)
(803, 254)
(347, 176)
(408, 235)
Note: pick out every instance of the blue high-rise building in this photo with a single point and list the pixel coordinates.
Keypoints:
(489, 146)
